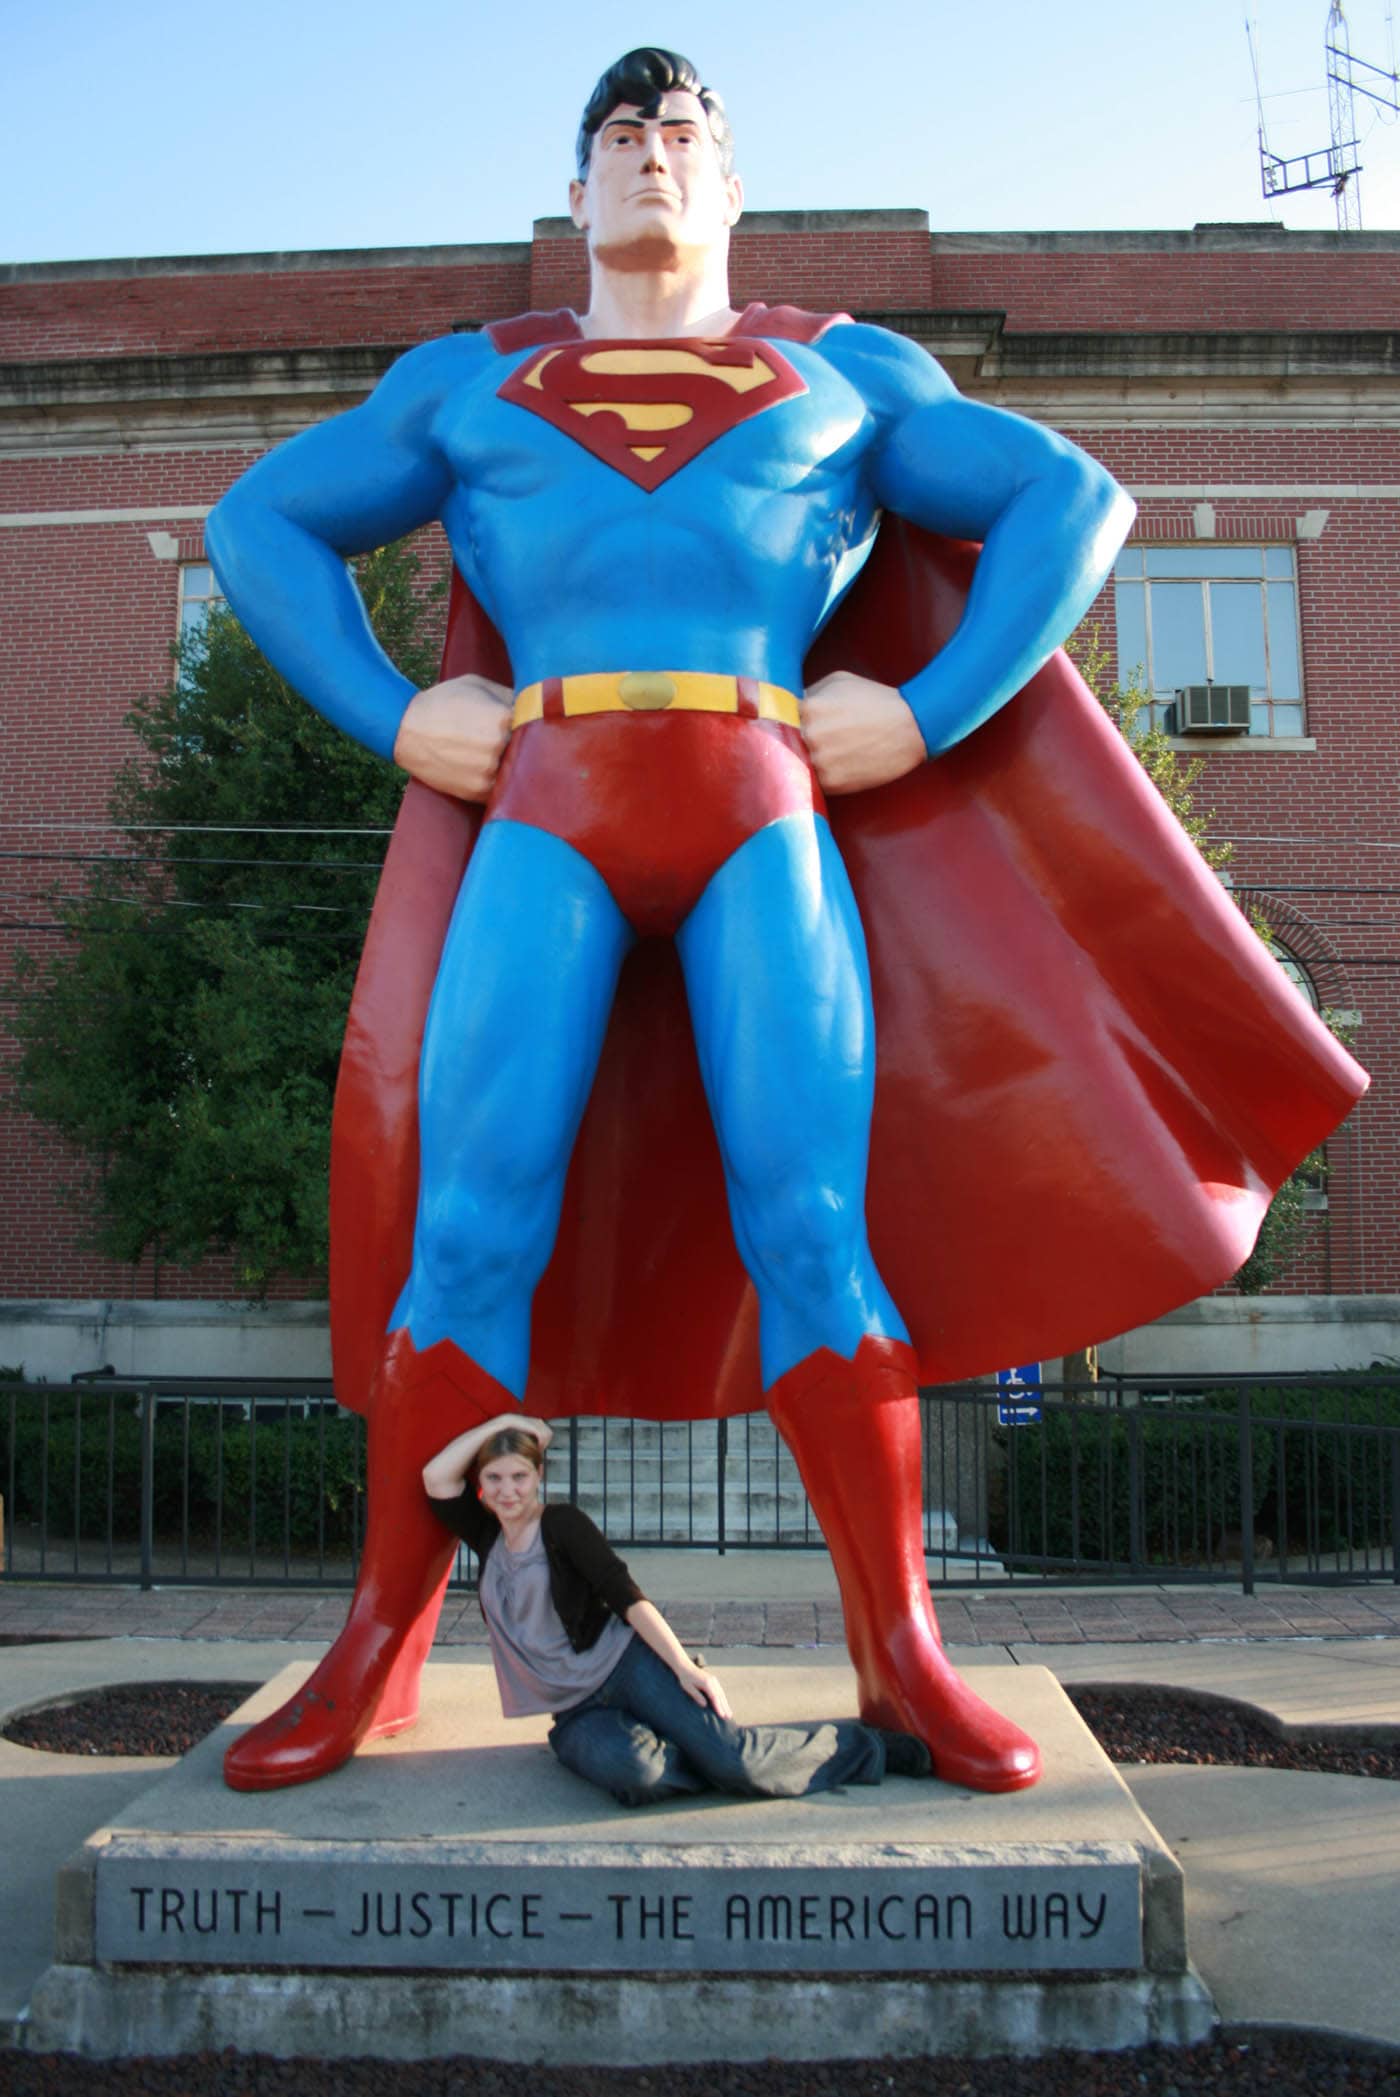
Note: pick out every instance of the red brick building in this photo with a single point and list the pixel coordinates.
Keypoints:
(1242, 381)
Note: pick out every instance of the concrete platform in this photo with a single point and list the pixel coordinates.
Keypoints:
(494, 1904)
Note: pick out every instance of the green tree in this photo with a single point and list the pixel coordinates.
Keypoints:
(1177, 780)
(183, 1036)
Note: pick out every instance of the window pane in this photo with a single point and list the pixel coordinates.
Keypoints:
(1178, 636)
(1278, 560)
(1129, 561)
(197, 580)
(1237, 636)
(1288, 720)
(1205, 560)
(1130, 600)
(1260, 719)
(1283, 641)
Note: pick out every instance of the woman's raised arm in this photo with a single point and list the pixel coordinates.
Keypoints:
(445, 1474)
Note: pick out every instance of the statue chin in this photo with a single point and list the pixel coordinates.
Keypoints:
(654, 252)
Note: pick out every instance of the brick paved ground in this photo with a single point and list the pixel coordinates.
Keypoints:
(1002, 1616)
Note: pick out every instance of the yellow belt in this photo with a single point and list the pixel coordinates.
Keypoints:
(654, 691)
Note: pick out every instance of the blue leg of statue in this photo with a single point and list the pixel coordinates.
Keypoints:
(779, 989)
(513, 1037)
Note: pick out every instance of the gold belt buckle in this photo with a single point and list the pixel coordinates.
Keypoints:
(646, 691)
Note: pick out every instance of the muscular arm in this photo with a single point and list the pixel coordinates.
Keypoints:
(280, 539)
(1050, 520)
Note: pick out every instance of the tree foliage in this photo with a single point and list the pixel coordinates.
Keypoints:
(183, 1036)
(1175, 779)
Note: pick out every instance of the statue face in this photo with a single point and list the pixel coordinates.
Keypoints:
(655, 188)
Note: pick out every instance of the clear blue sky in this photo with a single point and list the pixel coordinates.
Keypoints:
(153, 128)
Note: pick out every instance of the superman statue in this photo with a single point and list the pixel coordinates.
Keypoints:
(611, 1134)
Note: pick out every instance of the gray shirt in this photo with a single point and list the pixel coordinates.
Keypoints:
(536, 1667)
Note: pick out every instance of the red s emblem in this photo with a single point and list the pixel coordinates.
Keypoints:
(647, 408)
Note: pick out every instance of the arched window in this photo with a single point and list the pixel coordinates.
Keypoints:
(1296, 973)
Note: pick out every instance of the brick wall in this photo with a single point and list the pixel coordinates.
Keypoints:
(90, 611)
(1064, 286)
(188, 311)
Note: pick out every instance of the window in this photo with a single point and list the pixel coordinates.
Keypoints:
(1312, 1173)
(1212, 615)
(198, 592)
(1296, 973)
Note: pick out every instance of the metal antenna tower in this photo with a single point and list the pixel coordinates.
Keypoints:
(1338, 169)
(1341, 113)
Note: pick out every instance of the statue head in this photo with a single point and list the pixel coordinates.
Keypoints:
(642, 78)
(655, 161)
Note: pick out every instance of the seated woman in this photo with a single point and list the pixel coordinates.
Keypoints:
(572, 1634)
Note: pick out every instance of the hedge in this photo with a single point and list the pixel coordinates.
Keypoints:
(308, 1471)
(1326, 1490)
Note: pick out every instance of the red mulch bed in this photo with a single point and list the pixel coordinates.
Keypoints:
(1179, 1725)
(1282, 2065)
(136, 1718)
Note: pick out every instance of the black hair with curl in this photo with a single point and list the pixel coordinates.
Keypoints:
(642, 78)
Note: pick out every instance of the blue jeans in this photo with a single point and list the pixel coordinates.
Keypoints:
(642, 1738)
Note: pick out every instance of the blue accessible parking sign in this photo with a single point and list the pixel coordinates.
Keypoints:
(1018, 1404)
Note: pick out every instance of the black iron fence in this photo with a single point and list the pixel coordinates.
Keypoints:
(1225, 1479)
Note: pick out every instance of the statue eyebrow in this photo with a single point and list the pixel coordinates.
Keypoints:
(640, 123)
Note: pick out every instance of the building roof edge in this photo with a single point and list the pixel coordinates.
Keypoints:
(273, 263)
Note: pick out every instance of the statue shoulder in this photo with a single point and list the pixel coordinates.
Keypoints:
(891, 373)
(422, 378)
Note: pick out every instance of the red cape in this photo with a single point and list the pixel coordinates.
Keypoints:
(1092, 1075)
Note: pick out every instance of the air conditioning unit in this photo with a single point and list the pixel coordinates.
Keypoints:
(1209, 709)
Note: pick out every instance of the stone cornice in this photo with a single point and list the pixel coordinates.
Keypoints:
(258, 396)
(292, 262)
(64, 382)
(983, 340)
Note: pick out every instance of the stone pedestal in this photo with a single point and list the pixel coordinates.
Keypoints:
(457, 1891)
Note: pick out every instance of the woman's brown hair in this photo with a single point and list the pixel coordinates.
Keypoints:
(510, 1441)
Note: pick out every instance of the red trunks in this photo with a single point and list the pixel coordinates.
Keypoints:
(656, 802)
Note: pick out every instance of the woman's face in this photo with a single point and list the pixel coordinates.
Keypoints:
(509, 1486)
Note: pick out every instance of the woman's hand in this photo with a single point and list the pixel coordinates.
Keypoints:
(445, 1475)
(698, 1683)
(704, 1688)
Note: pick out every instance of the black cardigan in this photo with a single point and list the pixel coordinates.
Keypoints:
(587, 1580)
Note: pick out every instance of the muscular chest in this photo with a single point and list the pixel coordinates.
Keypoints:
(638, 441)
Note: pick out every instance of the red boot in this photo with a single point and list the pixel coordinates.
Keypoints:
(854, 1429)
(367, 1685)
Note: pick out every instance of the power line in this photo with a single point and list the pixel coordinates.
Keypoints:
(215, 829)
(357, 866)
